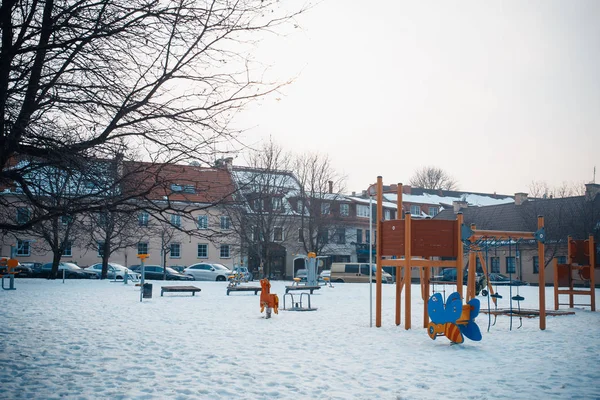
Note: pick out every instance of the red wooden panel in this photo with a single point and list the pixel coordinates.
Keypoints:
(392, 238)
(434, 238)
(579, 252)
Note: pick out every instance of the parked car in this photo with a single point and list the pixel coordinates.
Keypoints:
(29, 269)
(503, 280)
(449, 275)
(208, 272)
(178, 268)
(155, 272)
(356, 273)
(71, 271)
(114, 271)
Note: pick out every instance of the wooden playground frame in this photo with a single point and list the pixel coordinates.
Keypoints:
(577, 260)
(399, 241)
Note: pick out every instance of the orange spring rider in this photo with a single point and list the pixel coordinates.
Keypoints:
(268, 300)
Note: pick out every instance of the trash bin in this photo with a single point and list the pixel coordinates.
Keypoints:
(147, 292)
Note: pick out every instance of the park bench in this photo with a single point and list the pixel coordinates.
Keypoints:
(254, 289)
(177, 289)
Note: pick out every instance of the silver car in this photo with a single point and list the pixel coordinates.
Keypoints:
(208, 272)
(115, 271)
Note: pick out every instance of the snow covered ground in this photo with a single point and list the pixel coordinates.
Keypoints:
(95, 339)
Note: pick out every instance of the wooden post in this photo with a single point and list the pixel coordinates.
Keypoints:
(378, 247)
(542, 278)
(459, 253)
(399, 280)
(407, 270)
(592, 246)
(569, 262)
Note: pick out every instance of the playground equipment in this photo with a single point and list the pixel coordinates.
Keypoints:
(581, 257)
(310, 261)
(240, 275)
(268, 300)
(407, 244)
(9, 276)
(452, 319)
(297, 306)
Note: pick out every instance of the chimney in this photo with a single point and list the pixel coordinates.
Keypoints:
(459, 205)
(353, 193)
(520, 198)
(330, 187)
(406, 189)
(225, 163)
(591, 191)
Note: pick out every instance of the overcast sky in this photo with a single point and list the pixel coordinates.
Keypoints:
(497, 93)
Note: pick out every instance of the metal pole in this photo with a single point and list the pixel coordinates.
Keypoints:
(370, 260)
(142, 283)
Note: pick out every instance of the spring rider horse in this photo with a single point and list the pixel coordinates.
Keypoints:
(267, 299)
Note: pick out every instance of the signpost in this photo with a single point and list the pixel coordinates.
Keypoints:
(142, 257)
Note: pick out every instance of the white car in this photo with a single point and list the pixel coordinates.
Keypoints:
(208, 272)
(115, 271)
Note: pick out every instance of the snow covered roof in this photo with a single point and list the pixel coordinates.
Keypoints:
(432, 199)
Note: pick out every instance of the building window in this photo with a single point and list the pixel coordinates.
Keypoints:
(561, 259)
(300, 235)
(495, 261)
(100, 249)
(225, 222)
(300, 206)
(359, 236)
(142, 248)
(23, 215)
(536, 265)
(276, 203)
(340, 236)
(415, 210)
(66, 219)
(258, 204)
(23, 248)
(344, 210)
(143, 218)
(225, 251)
(67, 249)
(433, 211)
(325, 208)
(362, 211)
(510, 265)
(278, 234)
(176, 220)
(202, 250)
(202, 221)
(367, 236)
(496, 265)
(176, 188)
(175, 250)
(387, 215)
(324, 235)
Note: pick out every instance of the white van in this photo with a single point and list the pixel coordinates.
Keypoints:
(356, 272)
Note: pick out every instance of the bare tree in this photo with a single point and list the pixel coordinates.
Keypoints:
(318, 201)
(433, 178)
(262, 215)
(112, 230)
(78, 78)
(541, 189)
